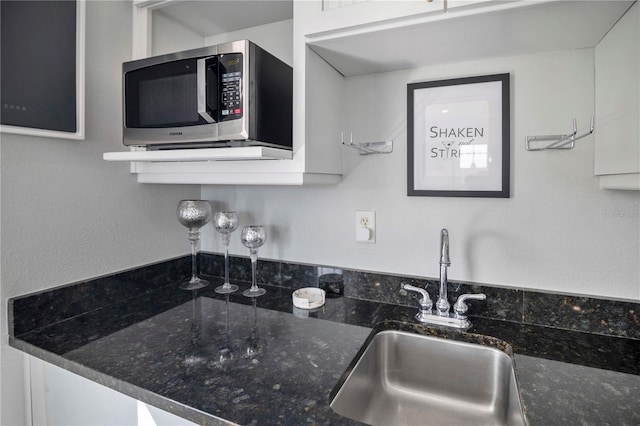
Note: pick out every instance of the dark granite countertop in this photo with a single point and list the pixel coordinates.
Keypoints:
(170, 348)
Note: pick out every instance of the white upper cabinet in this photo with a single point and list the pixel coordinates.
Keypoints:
(471, 30)
(617, 149)
(327, 15)
(452, 4)
(326, 41)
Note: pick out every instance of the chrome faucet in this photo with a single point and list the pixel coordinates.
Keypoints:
(442, 305)
(457, 318)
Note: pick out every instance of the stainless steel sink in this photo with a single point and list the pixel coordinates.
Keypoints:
(410, 379)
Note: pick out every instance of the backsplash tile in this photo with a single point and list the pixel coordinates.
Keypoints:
(67, 301)
(298, 276)
(578, 313)
(211, 264)
(583, 314)
(378, 287)
(502, 303)
(267, 272)
(591, 315)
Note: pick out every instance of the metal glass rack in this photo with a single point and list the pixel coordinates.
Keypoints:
(566, 141)
(368, 148)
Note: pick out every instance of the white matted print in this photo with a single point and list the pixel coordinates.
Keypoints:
(458, 137)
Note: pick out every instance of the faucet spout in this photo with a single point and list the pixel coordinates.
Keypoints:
(442, 305)
(444, 248)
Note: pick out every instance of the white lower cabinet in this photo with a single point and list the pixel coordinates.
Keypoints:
(59, 397)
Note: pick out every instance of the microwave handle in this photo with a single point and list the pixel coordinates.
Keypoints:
(202, 91)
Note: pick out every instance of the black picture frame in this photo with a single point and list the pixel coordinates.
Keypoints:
(459, 137)
(43, 68)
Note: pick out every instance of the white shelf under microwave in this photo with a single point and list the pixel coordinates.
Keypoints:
(202, 154)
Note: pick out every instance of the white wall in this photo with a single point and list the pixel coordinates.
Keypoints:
(68, 215)
(275, 37)
(168, 36)
(557, 232)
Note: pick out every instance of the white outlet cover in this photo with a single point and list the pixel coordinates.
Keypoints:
(361, 235)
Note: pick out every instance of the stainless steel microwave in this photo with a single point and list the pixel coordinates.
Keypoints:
(231, 94)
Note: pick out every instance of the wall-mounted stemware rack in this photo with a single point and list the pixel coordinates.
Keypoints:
(566, 141)
(368, 148)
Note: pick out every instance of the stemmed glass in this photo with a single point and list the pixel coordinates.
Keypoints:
(225, 223)
(253, 237)
(194, 214)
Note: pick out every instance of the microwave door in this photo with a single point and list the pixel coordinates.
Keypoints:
(207, 78)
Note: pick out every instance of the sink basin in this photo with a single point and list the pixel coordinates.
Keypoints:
(405, 378)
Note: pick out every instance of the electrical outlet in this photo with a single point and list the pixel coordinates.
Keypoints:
(365, 226)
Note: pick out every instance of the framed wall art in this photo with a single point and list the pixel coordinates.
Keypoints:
(42, 60)
(458, 137)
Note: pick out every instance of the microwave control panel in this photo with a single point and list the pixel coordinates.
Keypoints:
(230, 72)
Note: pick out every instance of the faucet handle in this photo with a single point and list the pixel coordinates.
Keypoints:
(403, 292)
(425, 301)
(460, 308)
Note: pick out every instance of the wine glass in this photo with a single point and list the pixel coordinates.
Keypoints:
(253, 237)
(225, 223)
(194, 214)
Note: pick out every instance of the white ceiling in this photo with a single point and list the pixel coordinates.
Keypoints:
(211, 17)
